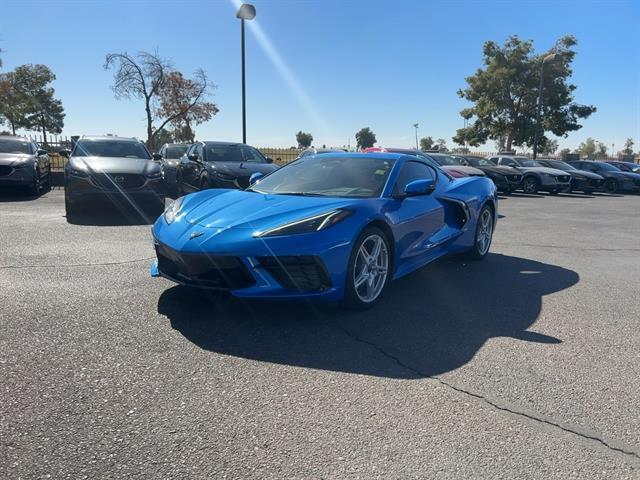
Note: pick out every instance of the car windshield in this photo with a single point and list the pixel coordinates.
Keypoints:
(525, 162)
(329, 176)
(223, 153)
(15, 146)
(559, 165)
(606, 166)
(447, 160)
(111, 148)
(175, 151)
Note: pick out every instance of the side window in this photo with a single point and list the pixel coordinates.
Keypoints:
(163, 150)
(409, 172)
(198, 150)
(252, 155)
(508, 162)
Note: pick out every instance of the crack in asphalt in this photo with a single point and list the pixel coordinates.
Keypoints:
(572, 247)
(531, 416)
(69, 265)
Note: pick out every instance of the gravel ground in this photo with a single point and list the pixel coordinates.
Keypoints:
(522, 366)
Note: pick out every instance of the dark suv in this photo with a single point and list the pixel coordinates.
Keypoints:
(115, 170)
(220, 165)
(23, 164)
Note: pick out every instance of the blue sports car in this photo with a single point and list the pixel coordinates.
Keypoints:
(336, 226)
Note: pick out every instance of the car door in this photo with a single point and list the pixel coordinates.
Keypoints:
(418, 220)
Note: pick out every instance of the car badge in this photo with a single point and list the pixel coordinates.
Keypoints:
(119, 179)
(195, 235)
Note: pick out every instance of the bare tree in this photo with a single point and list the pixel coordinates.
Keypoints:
(184, 103)
(139, 76)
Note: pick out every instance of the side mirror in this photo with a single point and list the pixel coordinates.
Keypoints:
(157, 157)
(419, 187)
(255, 177)
(42, 152)
(194, 156)
(65, 152)
(269, 160)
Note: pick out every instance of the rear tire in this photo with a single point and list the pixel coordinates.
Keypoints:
(370, 267)
(530, 185)
(484, 234)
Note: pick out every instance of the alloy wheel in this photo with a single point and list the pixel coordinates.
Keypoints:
(371, 268)
(485, 232)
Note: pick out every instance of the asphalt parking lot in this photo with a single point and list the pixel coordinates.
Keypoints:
(524, 365)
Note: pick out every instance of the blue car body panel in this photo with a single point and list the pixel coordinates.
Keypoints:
(422, 228)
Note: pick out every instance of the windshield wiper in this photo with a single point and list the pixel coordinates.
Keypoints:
(301, 194)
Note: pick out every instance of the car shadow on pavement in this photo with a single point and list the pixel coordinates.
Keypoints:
(430, 322)
(15, 194)
(111, 216)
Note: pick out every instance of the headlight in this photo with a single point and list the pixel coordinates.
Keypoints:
(78, 169)
(172, 210)
(155, 171)
(309, 224)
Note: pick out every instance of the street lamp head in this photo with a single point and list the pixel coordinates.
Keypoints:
(415, 125)
(246, 12)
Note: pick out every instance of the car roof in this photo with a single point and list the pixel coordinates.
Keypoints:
(380, 155)
(17, 138)
(222, 144)
(109, 137)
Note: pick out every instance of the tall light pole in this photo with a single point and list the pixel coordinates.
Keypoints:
(548, 58)
(415, 125)
(245, 12)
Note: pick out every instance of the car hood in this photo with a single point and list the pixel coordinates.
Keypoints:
(465, 169)
(500, 170)
(222, 209)
(585, 174)
(550, 171)
(114, 164)
(12, 159)
(241, 169)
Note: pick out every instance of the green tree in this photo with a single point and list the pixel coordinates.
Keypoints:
(549, 147)
(426, 143)
(504, 94)
(365, 138)
(592, 149)
(441, 145)
(304, 139)
(28, 100)
(564, 152)
(628, 147)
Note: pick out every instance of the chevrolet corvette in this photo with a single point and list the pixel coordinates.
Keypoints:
(336, 226)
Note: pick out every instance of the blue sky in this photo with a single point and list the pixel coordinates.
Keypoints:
(325, 66)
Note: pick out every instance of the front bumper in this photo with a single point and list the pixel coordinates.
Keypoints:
(89, 189)
(17, 177)
(506, 182)
(551, 183)
(278, 267)
(586, 184)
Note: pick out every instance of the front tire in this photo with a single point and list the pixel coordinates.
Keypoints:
(484, 234)
(611, 186)
(530, 185)
(369, 269)
(36, 187)
(71, 209)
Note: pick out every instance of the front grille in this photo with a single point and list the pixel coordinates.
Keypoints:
(213, 271)
(514, 178)
(5, 170)
(301, 273)
(118, 181)
(563, 178)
